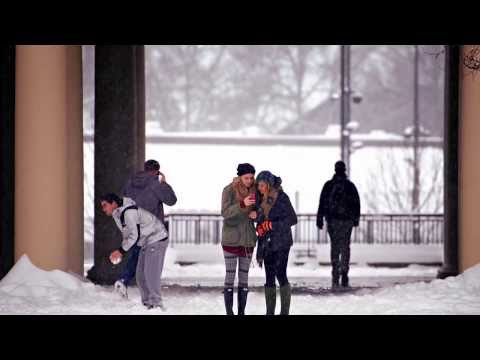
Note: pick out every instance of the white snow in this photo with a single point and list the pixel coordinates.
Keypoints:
(30, 290)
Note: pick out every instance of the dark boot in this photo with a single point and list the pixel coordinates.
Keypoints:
(242, 300)
(270, 299)
(228, 298)
(335, 282)
(285, 296)
(345, 280)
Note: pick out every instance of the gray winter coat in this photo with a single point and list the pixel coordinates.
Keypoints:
(149, 231)
(149, 193)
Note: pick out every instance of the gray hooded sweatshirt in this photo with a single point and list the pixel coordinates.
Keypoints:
(149, 230)
(149, 193)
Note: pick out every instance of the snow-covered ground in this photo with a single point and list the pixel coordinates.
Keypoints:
(30, 290)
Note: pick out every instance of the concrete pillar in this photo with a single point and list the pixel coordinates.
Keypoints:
(49, 157)
(469, 171)
(117, 140)
(7, 157)
(140, 104)
(450, 179)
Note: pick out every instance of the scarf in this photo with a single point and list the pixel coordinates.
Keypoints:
(241, 191)
(269, 200)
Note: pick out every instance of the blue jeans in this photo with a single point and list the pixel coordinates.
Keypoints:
(131, 267)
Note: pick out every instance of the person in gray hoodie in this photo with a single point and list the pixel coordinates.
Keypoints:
(148, 191)
(142, 228)
(150, 194)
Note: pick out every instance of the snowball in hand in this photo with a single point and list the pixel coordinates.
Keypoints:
(115, 261)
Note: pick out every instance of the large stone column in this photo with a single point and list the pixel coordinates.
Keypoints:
(49, 157)
(450, 179)
(140, 104)
(117, 142)
(7, 156)
(469, 169)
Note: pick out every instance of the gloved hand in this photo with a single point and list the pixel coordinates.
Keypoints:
(267, 226)
(264, 227)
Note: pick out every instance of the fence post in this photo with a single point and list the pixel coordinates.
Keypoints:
(197, 230)
(416, 230)
(168, 226)
(369, 231)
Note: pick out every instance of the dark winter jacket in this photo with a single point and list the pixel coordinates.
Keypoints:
(283, 217)
(149, 193)
(352, 201)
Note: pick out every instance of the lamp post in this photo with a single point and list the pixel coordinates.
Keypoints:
(347, 127)
(416, 135)
(345, 102)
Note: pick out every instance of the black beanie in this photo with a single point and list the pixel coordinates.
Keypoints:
(340, 167)
(243, 169)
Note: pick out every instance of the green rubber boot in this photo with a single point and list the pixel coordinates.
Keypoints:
(271, 299)
(285, 296)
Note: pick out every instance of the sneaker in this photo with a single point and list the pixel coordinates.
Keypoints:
(121, 289)
(158, 306)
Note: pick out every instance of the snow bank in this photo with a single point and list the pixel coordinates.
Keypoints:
(25, 279)
(27, 289)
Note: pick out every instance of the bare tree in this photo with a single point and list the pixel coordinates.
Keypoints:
(183, 81)
(389, 186)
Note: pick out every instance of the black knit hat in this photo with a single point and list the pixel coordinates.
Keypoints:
(340, 167)
(246, 168)
(151, 165)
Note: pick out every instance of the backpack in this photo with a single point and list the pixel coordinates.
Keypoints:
(338, 200)
(122, 215)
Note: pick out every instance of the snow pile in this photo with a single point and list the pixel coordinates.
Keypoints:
(25, 279)
(26, 289)
(452, 296)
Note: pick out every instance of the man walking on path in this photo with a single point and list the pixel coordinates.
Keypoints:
(340, 206)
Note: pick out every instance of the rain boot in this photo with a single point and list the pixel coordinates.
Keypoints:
(242, 300)
(228, 298)
(271, 299)
(285, 297)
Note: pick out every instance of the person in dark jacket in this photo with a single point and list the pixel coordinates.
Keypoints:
(275, 217)
(340, 206)
(150, 194)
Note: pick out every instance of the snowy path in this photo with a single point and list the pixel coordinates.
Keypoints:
(30, 290)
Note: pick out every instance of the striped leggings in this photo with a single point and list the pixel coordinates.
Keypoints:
(231, 261)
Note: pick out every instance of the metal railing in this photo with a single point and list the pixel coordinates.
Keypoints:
(373, 229)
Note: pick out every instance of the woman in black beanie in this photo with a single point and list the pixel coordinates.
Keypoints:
(275, 217)
(238, 234)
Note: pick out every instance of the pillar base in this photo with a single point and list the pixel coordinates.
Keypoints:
(445, 272)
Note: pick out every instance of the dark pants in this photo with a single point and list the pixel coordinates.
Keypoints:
(276, 267)
(130, 269)
(340, 232)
